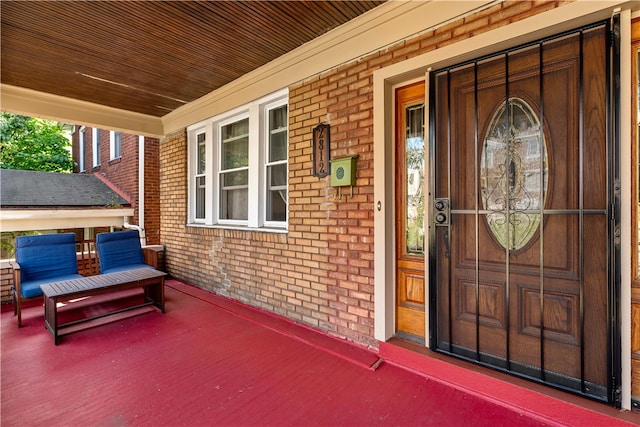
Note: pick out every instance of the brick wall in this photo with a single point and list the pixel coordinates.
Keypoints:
(321, 272)
(123, 172)
(6, 281)
(152, 190)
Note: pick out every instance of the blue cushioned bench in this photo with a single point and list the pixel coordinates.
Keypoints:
(121, 251)
(42, 259)
(124, 264)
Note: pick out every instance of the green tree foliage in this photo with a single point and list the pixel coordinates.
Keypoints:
(28, 143)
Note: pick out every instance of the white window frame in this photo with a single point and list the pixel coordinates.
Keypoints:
(115, 145)
(219, 171)
(265, 162)
(82, 138)
(193, 175)
(257, 113)
(95, 146)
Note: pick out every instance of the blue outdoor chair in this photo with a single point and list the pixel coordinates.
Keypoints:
(121, 250)
(41, 259)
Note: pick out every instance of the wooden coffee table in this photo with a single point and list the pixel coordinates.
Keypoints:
(150, 279)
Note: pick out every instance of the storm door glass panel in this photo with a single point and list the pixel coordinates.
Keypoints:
(200, 179)
(513, 168)
(234, 171)
(414, 185)
(276, 209)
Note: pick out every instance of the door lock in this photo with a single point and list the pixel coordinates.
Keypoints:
(442, 211)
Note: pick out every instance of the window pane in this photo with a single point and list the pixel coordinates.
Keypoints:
(277, 175)
(235, 145)
(278, 134)
(201, 162)
(235, 129)
(278, 146)
(234, 179)
(200, 197)
(277, 205)
(96, 147)
(414, 159)
(81, 148)
(276, 185)
(278, 118)
(233, 204)
(234, 195)
(117, 144)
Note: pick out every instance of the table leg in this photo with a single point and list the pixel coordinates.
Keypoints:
(155, 293)
(51, 317)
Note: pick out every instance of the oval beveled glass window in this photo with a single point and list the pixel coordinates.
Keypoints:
(513, 174)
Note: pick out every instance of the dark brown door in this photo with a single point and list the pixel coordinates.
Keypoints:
(409, 178)
(520, 211)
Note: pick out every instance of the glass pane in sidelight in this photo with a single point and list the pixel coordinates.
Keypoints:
(414, 185)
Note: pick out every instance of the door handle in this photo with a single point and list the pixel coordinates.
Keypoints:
(447, 246)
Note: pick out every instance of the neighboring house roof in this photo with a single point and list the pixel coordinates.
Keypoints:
(32, 200)
(31, 189)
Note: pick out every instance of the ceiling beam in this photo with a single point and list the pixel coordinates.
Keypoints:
(52, 219)
(32, 103)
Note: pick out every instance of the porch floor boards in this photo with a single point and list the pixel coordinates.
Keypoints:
(211, 361)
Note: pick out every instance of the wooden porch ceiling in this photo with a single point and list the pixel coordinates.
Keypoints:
(153, 57)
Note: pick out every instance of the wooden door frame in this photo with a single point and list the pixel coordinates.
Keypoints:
(399, 189)
(384, 79)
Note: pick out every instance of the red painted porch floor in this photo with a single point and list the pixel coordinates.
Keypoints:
(211, 361)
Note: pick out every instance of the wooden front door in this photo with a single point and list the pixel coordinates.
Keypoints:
(520, 212)
(409, 212)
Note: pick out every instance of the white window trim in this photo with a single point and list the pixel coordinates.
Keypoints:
(82, 140)
(192, 160)
(112, 145)
(264, 163)
(256, 193)
(95, 146)
(217, 149)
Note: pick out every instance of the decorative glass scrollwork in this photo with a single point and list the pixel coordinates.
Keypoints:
(513, 174)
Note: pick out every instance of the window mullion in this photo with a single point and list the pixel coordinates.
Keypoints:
(210, 172)
(255, 195)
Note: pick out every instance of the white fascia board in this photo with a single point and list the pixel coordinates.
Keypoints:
(383, 26)
(33, 103)
(48, 219)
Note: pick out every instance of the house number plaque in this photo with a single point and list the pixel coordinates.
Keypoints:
(321, 140)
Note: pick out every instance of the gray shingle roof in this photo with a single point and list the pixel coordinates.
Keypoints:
(26, 189)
